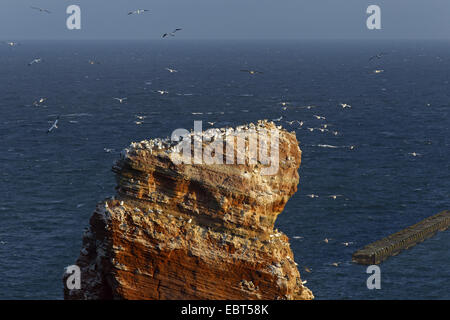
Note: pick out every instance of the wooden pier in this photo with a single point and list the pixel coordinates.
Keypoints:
(380, 250)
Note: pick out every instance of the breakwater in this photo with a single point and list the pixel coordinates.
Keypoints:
(380, 250)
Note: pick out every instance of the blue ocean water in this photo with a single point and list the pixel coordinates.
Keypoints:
(50, 183)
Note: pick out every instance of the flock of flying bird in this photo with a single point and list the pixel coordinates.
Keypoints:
(138, 11)
(285, 105)
(92, 62)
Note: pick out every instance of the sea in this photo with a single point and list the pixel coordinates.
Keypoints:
(386, 158)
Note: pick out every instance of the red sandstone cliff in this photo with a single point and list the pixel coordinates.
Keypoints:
(181, 231)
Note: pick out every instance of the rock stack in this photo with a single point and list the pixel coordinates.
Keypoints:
(193, 231)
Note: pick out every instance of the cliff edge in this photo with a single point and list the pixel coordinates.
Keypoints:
(194, 231)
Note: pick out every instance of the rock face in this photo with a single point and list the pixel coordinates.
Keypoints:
(192, 231)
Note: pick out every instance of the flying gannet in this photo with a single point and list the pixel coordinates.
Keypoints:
(414, 154)
(37, 103)
(252, 72)
(41, 9)
(171, 33)
(54, 125)
(138, 11)
(11, 43)
(278, 119)
(377, 56)
(121, 100)
(336, 264)
(171, 70)
(37, 60)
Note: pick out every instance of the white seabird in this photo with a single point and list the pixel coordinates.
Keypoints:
(54, 125)
(171, 33)
(377, 56)
(252, 72)
(415, 154)
(41, 9)
(37, 60)
(336, 264)
(11, 43)
(138, 11)
(121, 100)
(39, 102)
(279, 119)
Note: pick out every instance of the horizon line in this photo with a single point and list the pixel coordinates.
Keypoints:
(226, 39)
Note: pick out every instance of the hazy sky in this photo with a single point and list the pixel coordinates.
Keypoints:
(223, 19)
